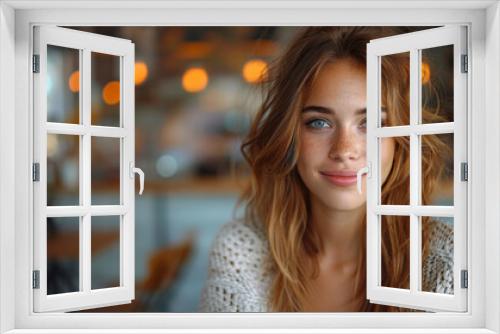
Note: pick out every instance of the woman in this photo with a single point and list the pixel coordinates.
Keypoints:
(301, 246)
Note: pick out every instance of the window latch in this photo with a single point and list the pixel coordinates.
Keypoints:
(133, 171)
(365, 170)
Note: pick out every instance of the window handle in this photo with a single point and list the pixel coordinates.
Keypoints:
(133, 171)
(364, 170)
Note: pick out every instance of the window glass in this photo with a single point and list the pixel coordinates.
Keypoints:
(63, 255)
(437, 169)
(394, 156)
(437, 254)
(394, 70)
(63, 170)
(63, 84)
(105, 250)
(106, 90)
(437, 84)
(395, 251)
(106, 158)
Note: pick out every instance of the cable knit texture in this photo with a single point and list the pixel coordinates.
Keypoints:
(240, 274)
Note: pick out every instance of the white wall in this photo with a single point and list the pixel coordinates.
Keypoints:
(492, 188)
(6, 166)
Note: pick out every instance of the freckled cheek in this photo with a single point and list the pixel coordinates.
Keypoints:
(313, 150)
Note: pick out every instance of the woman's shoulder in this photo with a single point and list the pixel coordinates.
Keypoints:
(239, 273)
(440, 234)
(438, 265)
(242, 233)
(241, 247)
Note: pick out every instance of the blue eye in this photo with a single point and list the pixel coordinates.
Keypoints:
(318, 123)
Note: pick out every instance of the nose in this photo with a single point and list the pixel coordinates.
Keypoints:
(346, 146)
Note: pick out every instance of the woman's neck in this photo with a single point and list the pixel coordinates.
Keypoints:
(339, 230)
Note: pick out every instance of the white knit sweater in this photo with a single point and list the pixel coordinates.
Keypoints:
(240, 274)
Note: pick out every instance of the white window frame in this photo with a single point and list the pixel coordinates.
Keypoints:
(413, 43)
(16, 20)
(85, 44)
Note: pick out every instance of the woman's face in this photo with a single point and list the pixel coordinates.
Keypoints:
(333, 136)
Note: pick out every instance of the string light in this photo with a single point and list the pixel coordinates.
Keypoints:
(141, 72)
(254, 70)
(111, 93)
(426, 73)
(195, 79)
(74, 82)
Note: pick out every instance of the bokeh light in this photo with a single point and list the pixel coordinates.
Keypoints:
(111, 93)
(195, 79)
(254, 70)
(426, 73)
(167, 166)
(74, 82)
(141, 72)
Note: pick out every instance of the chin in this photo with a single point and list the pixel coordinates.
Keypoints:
(343, 200)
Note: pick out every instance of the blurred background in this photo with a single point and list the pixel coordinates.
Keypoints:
(196, 91)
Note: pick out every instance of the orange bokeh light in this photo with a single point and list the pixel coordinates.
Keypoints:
(111, 93)
(195, 79)
(254, 70)
(426, 73)
(141, 72)
(74, 82)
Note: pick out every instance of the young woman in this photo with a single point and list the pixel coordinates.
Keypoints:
(301, 245)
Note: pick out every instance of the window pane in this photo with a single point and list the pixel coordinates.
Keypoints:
(105, 251)
(437, 254)
(395, 92)
(63, 84)
(63, 254)
(63, 170)
(437, 84)
(395, 251)
(105, 171)
(394, 170)
(437, 169)
(105, 89)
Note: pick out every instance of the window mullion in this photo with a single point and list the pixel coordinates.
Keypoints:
(419, 129)
(414, 169)
(85, 239)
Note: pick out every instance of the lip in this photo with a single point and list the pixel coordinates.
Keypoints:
(341, 178)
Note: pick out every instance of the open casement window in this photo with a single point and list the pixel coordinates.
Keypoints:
(75, 153)
(425, 123)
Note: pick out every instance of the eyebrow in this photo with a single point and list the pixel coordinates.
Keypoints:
(325, 110)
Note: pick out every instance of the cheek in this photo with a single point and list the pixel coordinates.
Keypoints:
(387, 148)
(312, 149)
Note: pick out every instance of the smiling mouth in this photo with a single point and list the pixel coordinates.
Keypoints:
(341, 180)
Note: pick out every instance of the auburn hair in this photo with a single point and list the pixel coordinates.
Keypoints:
(277, 197)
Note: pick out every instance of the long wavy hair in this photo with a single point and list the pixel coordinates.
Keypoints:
(277, 197)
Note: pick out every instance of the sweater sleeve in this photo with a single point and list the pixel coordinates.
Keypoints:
(438, 267)
(237, 279)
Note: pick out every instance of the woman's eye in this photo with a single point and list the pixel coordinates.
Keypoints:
(318, 124)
